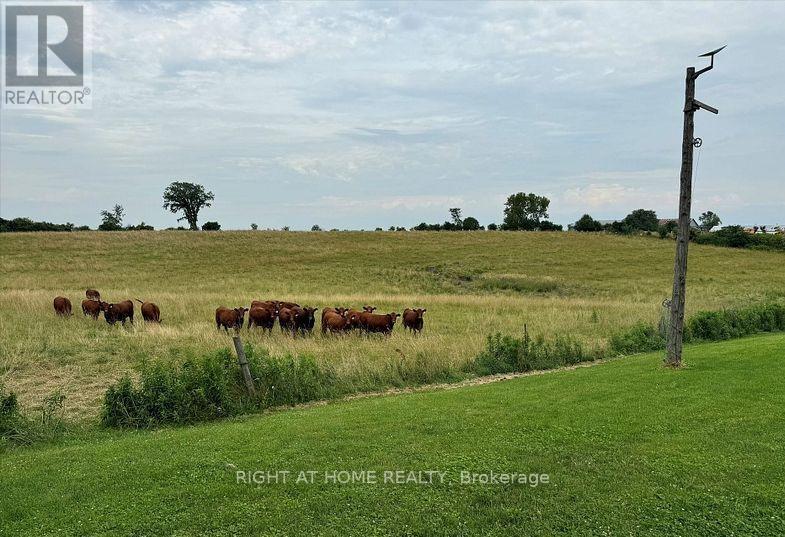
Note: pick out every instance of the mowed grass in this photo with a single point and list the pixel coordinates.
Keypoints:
(472, 284)
(630, 448)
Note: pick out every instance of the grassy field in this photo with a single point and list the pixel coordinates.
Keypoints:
(630, 448)
(471, 283)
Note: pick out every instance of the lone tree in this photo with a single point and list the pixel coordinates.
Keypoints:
(525, 211)
(189, 198)
(641, 220)
(470, 223)
(709, 220)
(112, 220)
(455, 214)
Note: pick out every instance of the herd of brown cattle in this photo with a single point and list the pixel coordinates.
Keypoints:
(291, 317)
(113, 312)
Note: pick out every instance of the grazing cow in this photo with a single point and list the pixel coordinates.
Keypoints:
(412, 319)
(261, 316)
(92, 294)
(373, 322)
(93, 308)
(303, 320)
(334, 322)
(62, 306)
(119, 312)
(150, 311)
(226, 318)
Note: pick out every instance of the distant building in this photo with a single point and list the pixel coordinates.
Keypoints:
(665, 221)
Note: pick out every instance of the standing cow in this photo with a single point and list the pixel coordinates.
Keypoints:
(262, 316)
(412, 319)
(372, 322)
(62, 306)
(303, 320)
(119, 312)
(93, 308)
(92, 294)
(229, 318)
(150, 312)
(334, 322)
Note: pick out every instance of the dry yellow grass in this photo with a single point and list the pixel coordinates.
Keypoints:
(473, 284)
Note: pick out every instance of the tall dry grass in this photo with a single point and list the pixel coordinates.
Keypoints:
(473, 284)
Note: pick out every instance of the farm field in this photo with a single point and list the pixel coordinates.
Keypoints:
(630, 448)
(472, 283)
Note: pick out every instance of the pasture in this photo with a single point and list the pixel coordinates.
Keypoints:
(630, 448)
(472, 283)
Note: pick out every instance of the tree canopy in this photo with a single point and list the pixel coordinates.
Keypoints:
(525, 211)
(112, 220)
(709, 220)
(189, 198)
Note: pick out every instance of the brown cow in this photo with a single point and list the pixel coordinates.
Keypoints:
(285, 318)
(412, 319)
(150, 311)
(334, 322)
(353, 316)
(229, 318)
(62, 306)
(302, 320)
(119, 312)
(340, 311)
(261, 316)
(93, 308)
(92, 294)
(373, 322)
(288, 305)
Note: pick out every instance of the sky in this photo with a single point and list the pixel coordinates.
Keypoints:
(371, 114)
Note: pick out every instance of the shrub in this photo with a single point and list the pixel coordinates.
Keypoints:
(734, 323)
(19, 429)
(638, 338)
(507, 354)
(211, 226)
(212, 388)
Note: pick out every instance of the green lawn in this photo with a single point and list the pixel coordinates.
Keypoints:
(630, 448)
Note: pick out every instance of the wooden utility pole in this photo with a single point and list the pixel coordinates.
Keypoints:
(676, 331)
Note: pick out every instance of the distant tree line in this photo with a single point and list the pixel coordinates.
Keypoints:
(522, 212)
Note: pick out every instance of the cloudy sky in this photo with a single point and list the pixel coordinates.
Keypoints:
(357, 115)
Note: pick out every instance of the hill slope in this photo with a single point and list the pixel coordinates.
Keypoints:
(472, 284)
(629, 447)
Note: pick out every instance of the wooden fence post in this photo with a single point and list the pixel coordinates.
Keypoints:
(238, 347)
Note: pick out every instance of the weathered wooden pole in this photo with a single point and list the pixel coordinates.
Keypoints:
(238, 347)
(676, 332)
(688, 142)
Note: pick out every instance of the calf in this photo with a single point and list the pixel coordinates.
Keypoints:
(226, 318)
(261, 316)
(373, 322)
(150, 312)
(119, 312)
(412, 319)
(334, 322)
(303, 320)
(92, 294)
(62, 306)
(93, 308)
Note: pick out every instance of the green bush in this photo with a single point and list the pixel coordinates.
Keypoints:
(18, 429)
(638, 338)
(507, 354)
(736, 237)
(211, 388)
(734, 323)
